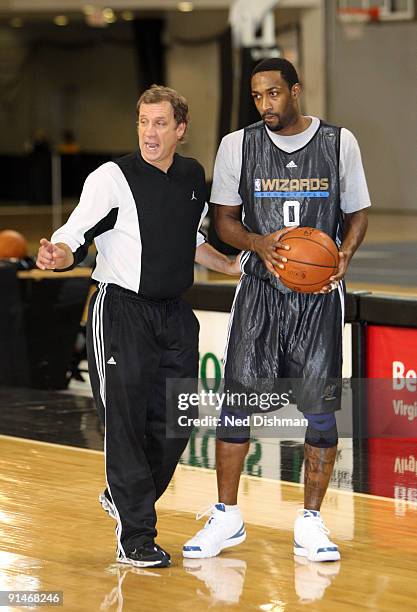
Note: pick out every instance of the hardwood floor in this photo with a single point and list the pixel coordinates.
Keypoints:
(55, 536)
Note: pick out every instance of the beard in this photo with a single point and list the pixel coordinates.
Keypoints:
(284, 120)
(273, 127)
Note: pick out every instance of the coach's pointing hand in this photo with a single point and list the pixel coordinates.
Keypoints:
(266, 247)
(54, 256)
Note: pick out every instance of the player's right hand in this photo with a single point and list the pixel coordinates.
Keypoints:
(266, 247)
(51, 256)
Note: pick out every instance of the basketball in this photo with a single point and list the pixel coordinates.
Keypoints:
(12, 245)
(312, 259)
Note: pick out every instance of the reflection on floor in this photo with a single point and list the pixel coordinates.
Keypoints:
(380, 467)
(55, 536)
(50, 416)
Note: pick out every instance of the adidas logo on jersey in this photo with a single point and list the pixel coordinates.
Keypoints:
(291, 165)
(112, 361)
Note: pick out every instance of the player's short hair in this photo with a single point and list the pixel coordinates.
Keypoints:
(159, 93)
(279, 64)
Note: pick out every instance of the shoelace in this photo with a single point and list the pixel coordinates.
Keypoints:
(206, 512)
(151, 548)
(317, 521)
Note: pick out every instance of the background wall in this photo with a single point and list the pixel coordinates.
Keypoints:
(372, 90)
(74, 78)
(193, 67)
(86, 80)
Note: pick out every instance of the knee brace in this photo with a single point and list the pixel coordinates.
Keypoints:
(321, 430)
(228, 432)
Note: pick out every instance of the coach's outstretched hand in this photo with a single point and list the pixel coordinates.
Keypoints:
(266, 247)
(54, 256)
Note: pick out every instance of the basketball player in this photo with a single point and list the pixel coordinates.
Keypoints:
(286, 170)
(144, 211)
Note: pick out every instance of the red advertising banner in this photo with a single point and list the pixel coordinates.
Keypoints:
(392, 412)
(393, 468)
(391, 354)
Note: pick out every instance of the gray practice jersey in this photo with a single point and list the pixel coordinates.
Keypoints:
(236, 165)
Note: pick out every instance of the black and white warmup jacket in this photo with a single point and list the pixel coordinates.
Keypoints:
(145, 224)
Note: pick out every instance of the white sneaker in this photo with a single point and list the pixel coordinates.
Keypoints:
(310, 538)
(222, 530)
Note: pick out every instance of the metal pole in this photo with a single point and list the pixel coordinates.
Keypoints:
(56, 191)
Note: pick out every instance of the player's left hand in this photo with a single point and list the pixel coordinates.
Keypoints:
(341, 271)
(328, 288)
(341, 268)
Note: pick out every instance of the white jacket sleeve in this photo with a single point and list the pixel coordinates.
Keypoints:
(99, 196)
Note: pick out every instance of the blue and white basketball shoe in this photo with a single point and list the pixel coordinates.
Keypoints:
(310, 538)
(224, 529)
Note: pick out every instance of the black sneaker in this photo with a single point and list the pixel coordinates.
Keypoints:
(148, 554)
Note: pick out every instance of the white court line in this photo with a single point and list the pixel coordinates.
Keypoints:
(372, 255)
(54, 444)
(205, 470)
(358, 270)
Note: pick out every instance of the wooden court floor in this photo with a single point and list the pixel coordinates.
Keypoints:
(55, 536)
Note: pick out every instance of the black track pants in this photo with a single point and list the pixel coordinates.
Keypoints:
(134, 344)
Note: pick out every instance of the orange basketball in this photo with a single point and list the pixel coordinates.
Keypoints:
(12, 245)
(312, 259)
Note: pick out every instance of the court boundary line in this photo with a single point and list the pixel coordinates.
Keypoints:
(206, 470)
(55, 444)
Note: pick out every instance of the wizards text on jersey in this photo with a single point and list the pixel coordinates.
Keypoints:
(295, 187)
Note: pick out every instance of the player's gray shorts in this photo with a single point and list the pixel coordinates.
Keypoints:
(275, 337)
